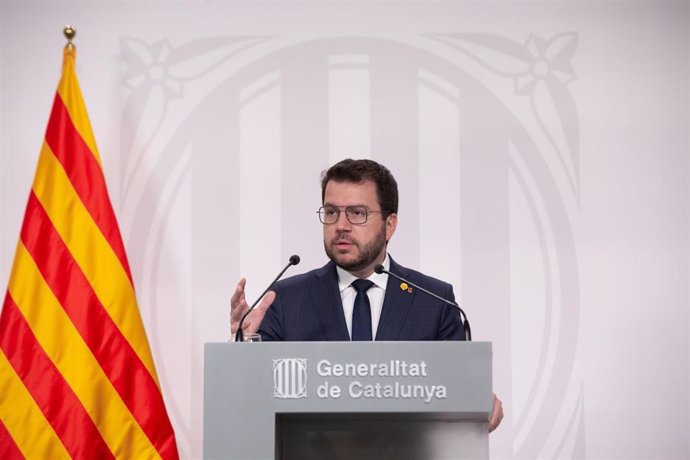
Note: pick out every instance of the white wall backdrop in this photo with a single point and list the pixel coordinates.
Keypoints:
(542, 149)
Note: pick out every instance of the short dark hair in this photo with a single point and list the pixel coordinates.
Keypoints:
(362, 170)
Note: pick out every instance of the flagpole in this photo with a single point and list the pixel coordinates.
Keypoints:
(69, 32)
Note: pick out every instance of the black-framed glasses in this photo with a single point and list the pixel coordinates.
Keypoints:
(356, 215)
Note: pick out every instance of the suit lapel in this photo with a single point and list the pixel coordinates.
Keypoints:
(396, 305)
(328, 305)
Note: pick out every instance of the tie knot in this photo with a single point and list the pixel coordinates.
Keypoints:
(362, 285)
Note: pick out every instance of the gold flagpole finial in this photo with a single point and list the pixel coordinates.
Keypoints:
(69, 32)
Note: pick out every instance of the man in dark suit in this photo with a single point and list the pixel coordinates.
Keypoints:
(345, 299)
(310, 307)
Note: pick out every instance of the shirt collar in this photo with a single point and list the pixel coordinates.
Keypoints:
(346, 278)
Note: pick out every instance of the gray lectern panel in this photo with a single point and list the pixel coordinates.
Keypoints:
(428, 400)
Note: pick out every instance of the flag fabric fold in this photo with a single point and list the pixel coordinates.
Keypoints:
(77, 378)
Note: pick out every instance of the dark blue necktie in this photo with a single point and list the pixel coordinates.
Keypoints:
(361, 314)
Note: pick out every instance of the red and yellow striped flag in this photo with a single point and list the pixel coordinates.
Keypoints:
(77, 377)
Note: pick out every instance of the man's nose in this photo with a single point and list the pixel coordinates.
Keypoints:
(342, 223)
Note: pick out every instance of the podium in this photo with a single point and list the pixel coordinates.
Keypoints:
(347, 400)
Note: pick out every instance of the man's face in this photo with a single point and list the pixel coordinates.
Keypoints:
(357, 248)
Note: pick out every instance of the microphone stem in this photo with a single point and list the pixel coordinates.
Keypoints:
(239, 335)
(465, 323)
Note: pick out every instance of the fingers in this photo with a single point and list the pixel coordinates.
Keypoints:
(238, 303)
(496, 414)
(266, 302)
(238, 306)
(253, 321)
(238, 295)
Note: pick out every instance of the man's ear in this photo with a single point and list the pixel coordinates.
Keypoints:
(391, 224)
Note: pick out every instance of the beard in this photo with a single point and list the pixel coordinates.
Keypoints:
(367, 252)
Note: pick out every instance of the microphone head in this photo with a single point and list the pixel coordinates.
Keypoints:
(379, 269)
(294, 259)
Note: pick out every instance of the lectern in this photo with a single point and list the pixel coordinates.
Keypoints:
(347, 400)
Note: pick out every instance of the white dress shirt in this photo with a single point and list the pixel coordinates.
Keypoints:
(376, 294)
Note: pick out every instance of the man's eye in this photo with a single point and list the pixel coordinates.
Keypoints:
(358, 212)
(330, 211)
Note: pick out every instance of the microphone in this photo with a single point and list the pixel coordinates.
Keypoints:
(239, 335)
(465, 324)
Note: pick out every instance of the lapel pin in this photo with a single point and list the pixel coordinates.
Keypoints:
(405, 287)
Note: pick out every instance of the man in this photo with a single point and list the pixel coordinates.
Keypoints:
(334, 302)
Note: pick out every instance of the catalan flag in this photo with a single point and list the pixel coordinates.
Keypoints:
(77, 378)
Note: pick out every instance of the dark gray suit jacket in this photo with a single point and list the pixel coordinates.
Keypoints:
(308, 307)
